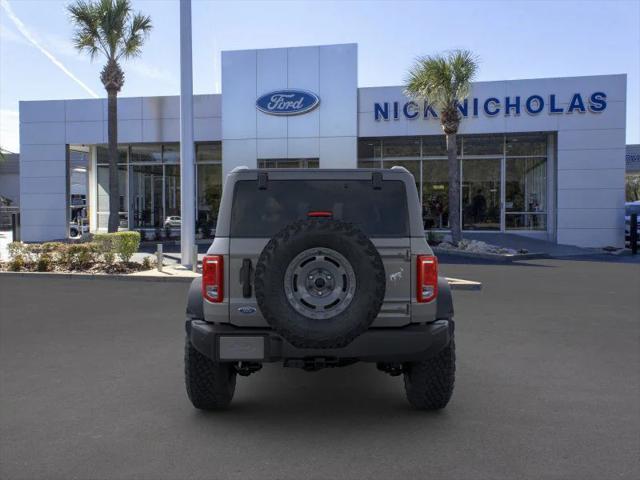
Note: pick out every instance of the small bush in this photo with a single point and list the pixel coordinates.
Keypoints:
(126, 244)
(78, 256)
(106, 246)
(16, 263)
(51, 247)
(44, 263)
(146, 263)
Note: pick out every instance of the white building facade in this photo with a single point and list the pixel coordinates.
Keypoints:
(542, 157)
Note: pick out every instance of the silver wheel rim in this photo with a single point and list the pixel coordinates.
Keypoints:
(319, 283)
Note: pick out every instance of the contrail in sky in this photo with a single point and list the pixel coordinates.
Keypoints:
(27, 34)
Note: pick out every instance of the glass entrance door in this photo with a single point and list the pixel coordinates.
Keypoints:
(481, 194)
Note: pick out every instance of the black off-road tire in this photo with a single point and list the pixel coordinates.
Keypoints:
(429, 384)
(341, 329)
(210, 385)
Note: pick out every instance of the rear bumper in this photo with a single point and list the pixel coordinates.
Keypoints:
(226, 343)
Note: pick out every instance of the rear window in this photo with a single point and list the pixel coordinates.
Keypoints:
(263, 213)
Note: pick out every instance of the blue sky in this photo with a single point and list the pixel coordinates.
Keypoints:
(513, 40)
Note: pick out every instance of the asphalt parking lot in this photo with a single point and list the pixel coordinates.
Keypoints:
(548, 386)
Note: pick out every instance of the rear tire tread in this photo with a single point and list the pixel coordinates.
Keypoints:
(429, 384)
(210, 385)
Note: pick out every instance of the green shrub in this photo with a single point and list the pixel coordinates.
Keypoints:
(51, 247)
(146, 263)
(106, 246)
(16, 263)
(78, 256)
(126, 244)
(44, 263)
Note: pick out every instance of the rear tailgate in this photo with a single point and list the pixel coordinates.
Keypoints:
(263, 206)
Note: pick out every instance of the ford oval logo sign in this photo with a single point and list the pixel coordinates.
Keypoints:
(287, 102)
(247, 310)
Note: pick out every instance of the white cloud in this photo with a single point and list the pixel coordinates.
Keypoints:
(22, 28)
(9, 130)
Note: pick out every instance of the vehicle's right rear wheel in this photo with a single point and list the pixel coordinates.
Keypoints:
(210, 385)
(429, 384)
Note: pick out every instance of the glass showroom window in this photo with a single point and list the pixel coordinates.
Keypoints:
(526, 194)
(209, 187)
(171, 161)
(403, 152)
(526, 182)
(155, 187)
(369, 153)
(435, 194)
(503, 177)
(481, 194)
(146, 194)
(102, 176)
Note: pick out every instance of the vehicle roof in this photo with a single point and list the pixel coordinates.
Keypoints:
(243, 173)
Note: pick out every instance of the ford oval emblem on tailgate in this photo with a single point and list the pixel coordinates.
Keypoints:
(287, 102)
(247, 310)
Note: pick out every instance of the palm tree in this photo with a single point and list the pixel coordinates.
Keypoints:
(444, 81)
(112, 29)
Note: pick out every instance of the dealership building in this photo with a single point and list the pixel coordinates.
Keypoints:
(541, 157)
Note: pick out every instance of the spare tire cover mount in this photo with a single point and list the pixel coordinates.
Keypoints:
(320, 283)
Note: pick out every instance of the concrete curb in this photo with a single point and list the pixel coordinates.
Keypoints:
(490, 256)
(98, 276)
(462, 284)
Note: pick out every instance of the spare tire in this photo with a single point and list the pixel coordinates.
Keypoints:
(320, 283)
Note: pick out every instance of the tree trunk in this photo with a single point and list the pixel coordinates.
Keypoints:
(114, 190)
(454, 188)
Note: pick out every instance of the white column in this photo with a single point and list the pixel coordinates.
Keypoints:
(187, 148)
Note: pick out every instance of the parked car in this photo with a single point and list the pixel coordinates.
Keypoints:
(173, 222)
(316, 269)
(630, 208)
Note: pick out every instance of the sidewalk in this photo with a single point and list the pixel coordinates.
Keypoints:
(532, 245)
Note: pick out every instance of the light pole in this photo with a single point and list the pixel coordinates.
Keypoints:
(187, 148)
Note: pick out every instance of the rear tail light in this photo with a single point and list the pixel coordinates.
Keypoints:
(427, 273)
(212, 278)
(320, 214)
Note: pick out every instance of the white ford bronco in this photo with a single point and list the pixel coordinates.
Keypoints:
(316, 269)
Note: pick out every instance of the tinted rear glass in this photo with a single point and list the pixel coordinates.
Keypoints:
(263, 213)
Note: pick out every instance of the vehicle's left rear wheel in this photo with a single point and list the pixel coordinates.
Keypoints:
(210, 385)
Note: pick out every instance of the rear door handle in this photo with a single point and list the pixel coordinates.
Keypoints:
(245, 277)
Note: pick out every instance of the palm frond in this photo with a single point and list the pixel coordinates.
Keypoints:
(139, 28)
(442, 80)
(85, 16)
(109, 27)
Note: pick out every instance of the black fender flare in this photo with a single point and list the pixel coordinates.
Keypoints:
(445, 300)
(194, 300)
